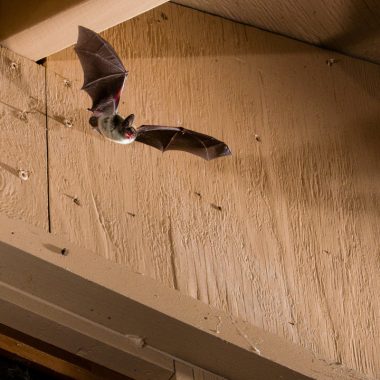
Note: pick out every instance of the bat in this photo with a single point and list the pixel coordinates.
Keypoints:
(104, 78)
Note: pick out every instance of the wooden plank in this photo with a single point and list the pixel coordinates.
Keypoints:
(183, 371)
(348, 26)
(46, 360)
(187, 372)
(294, 248)
(199, 374)
(104, 312)
(23, 180)
(54, 24)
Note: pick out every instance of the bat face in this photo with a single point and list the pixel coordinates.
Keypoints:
(113, 128)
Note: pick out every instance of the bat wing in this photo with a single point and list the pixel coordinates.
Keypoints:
(104, 73)
(175, 138)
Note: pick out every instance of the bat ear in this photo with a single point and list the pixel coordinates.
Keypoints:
(129, 120)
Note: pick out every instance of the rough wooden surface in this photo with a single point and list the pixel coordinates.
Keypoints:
(22, 140)
(285, 233)
(347, 26)
(106, 313)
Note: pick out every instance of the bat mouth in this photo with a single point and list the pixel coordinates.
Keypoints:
(130, 134)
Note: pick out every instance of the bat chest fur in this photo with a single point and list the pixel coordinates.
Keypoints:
(113, 132)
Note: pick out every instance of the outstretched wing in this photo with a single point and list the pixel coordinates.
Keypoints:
(104, 73)
(175, 138)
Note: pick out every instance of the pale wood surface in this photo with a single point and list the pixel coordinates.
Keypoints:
(22, 140)
(295, 246)
(104, 312)
(38, 29)
(348, 26)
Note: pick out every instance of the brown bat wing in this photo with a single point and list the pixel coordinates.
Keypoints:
(104, 73)
(176, 138)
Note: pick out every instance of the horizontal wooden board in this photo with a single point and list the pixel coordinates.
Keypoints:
(73, 300)
(285, 233)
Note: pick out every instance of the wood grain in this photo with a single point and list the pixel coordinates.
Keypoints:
(348, 26)
(285, 233)
(23, 141)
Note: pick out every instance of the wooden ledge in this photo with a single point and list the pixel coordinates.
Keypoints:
(99, 310)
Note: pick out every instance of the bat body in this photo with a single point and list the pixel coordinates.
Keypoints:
(104, 77)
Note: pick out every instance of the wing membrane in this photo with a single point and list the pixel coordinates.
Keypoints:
(175, 138)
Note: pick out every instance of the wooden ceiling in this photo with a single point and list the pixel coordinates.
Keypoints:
(351, 27)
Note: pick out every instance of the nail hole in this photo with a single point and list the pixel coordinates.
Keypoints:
(67, 83)
(331, 61)
(64, 251)
(258, 138)
(198, 194)
(216, 207)
(23, 174)
(22, 115)
(14, 65)
(76, 201)
(131, 214)
(68, 123)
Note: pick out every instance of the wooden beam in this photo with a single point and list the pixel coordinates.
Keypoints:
(56, 364)
(52, 25)
(99, 310)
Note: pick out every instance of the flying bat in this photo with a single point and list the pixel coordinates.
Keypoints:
(104, 77)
